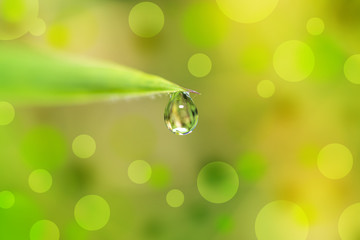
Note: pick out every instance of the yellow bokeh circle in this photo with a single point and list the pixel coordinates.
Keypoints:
(351, 69)
(7, 113)
(58, 35)
(294, 61)
(281, 220)
(266, 88)
(335, 161)
(40, 181)
(38, 28)
(315, 26)
(199, 65)
(349, 223)
(92, 212)
(84, 146)
(139, 171)
(175, 198)
(244, 11)
(17, 17)
(146, 19)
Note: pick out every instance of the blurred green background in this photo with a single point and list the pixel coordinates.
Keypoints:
(275, 155)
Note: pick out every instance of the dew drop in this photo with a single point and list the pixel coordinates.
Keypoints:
(181, 115)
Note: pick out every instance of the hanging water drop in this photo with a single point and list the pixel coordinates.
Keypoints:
(181, 115)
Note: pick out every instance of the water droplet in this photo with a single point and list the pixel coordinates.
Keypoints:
(181, 115)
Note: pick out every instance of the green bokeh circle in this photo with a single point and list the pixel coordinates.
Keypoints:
(16, 222)
(146, 19)
(351, 69)
(294, 61)
(7, 199)
(218, 182)
(44, 230)
(175, 198)
(84, 146)
(40, 181)
(7, 113)
(92, 212)
(199, 65)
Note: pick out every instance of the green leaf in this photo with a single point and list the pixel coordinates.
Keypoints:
(34, 76)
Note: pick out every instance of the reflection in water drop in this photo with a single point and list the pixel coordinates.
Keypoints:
(181, 115)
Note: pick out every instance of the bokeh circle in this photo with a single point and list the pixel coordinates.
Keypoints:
(199, 65)
(217, 182)
(7, 113)
(175, 198)
(7, 199)
(315, 26)
(349, 223)
(266, 88)
(44, 230)
(38, 28)
(84, 146)
(281, 220)
(40, 181)
(17, 17)
(244, 11)
(335, 161)
(351, 69)
(92, 212)
(294, 61)
(146, 19)
(139, 171)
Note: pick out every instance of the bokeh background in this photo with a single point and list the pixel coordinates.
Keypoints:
(275, 155)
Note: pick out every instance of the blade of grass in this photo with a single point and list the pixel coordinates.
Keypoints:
(33, 76)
